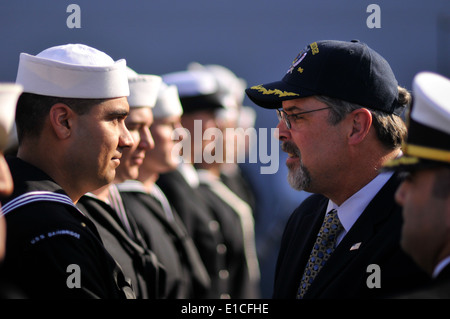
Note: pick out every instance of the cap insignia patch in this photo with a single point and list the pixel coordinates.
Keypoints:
(314, 48)
(297, 60)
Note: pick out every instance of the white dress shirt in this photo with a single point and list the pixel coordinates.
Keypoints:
(352, 208)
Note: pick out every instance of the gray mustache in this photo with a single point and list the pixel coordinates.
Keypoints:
(290, 147)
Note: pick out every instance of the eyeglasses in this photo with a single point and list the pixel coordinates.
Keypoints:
(282, 115)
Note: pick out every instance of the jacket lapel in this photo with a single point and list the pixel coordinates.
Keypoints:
(361, 233)
(301, 231)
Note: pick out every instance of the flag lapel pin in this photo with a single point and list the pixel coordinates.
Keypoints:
(355, 246)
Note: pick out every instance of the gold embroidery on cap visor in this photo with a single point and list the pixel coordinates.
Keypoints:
(404, 160)
(413, 154)
(427, 153)
(280, 93)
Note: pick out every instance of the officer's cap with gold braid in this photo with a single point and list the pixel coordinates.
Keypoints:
(428, 141)
(350, 71)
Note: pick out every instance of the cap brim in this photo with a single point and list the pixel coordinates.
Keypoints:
(271, 95)
(410, 163)
(197, 103)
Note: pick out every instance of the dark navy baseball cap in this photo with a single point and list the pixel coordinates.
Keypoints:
(350, 71)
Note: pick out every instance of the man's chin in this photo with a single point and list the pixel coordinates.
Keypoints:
(298, 178)
(131, 172)
(109, 178)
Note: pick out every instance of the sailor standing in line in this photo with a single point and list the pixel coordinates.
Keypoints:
(182, 192)
(159, 222)
(105, 206)
(201, 99)
(71, 132)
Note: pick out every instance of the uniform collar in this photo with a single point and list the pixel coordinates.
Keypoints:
(189, 173)
(131, 186)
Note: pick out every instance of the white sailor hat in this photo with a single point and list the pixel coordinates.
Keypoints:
(9, 94)
(73, 71)
(197, 89)
(168, 102)
(143, 89)
(247, 117)
(428, 141)
(227, 82)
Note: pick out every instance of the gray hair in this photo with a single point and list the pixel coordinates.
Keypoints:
(390, 128)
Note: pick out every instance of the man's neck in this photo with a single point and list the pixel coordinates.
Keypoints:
(39, 158)
(102, 193)
(148, 181)
(360, 176)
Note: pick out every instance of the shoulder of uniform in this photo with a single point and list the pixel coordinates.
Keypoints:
(38, 220)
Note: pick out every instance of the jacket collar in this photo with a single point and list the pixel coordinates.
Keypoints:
(376, 213)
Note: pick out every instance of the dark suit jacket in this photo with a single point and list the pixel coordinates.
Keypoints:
(345, 274)
(438, 289)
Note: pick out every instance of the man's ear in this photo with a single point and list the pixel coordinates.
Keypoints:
(361, 123)
(61, 119)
